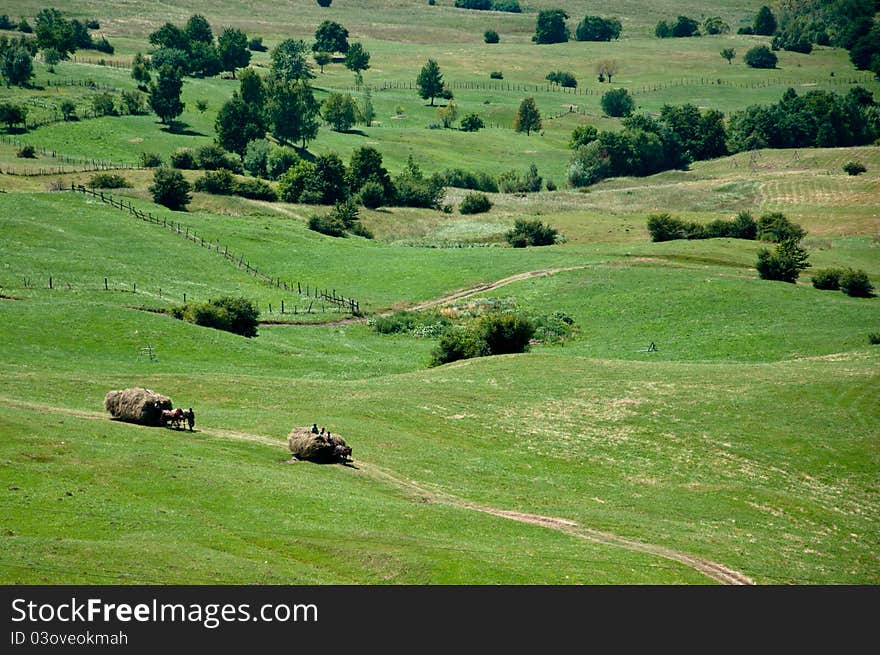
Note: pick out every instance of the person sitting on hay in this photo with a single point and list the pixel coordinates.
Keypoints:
(314, 428)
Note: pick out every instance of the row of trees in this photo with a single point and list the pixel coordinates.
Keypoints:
(550, 27)
(193, 51)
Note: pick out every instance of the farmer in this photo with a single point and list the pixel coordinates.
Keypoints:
(322, 432)
(314, 428)
(190, 418)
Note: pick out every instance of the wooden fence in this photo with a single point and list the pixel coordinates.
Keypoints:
(303, 289)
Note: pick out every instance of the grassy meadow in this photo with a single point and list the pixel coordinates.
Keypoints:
(749, 438)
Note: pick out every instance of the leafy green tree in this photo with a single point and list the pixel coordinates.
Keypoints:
(765, 22)
(775, 226)
(179, 60)
(685, 27)
(607, 68)
(292, 184)
(252, 89)
(170, 188)
(582, 135)
(103, 105)
(12, 115)
(322, 59)
(491, 36)
(430, 81)
(472, 123)
(198, 29)
(856, 283)
(367, 113)
(527, 118)
(325, 3)
(531, 233)
(51, 57)
(232, 48)
(760, 57)
(293, 112)
(663, 30)
(68, 110)
(618, 102)
(356, 60)
(715, 25)
(366, 166)
(140, 70)
(785, 263)
(330, 37)
(16, 66)
(289, 63)
(550, 27)
(170, 36)
(165, 94)
(596, 28)
(203, 60)
(239, 123)
(52, 30)
(340, 110)
(728, 54)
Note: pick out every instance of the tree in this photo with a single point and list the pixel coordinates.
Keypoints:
(179, 60)
(170, 36)
(232, 47)
(12, 115)
(289, 63)
(330, 37)
(239, 123)
(140, 70)
(325, 3)
(865, 50)
(103, 105)
(728, 54)
(550, 27)
(68, 110)
(606, 68)
(765, 22)
(52, 58)
(252, 89)
(663, 30)
(16, 66)
(293, 112)
(203, 60)
(491, 36)
(715, 25)
(356, 60)
(685, 27)
(618, 102)
(367, 112)
(52, 30)
(785, 263)
(760, 57)
(133, 102)
(430, 81)
(448, 114)
(366, 166)
(198, 30)
(340, 110)
(531, 233)
(527, 117)
(170, 188)
(165, 94)
(322, 59)
(596, 28)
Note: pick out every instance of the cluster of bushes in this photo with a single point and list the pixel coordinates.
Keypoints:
(222, 182)
(513, 181)
(344, 218)
(192, 49)
(596, 28)
(662, 227)
(472, 123)
(648, 145)
(232, 314)
(462, 179)
(682, 27)
(491, 334)
(417, 324)
(854, 168)
(817, 119)
(475, 203)
(531, 233)
(57, 35)
(784, 263)
(618, 103)
(209, 157)
(511, 6)
(491, 36)
(108, 181)
(760, 57)
(852, 282)
(562, 78)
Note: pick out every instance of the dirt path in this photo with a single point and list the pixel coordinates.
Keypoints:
(452, 297)
(710, 569)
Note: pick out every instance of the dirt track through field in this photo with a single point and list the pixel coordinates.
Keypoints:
(710, 569)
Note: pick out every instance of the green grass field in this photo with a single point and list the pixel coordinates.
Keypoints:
(749, 439)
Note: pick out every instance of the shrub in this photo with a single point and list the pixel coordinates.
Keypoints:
(513, 182)
(133, 102)
(760, 57)
(256, 155)
(854, 168)
(856, 283)
(480, 5)
(103, 105)
(531, 233)
(462, 179)
(776, 227)
(475, 203)
(510, 6)
(582, 135)
(827, 279)
(212, 157)
(562, 78)
(505, 333)
(68, 110)
(662, 227)
(618, 102)
(219, 182)
(184, 159)
(785, 263)
(108, 181)
(550, 185)
(496, 75)
(472, 123)
(255, 44)
(255, 190)
(491, 36)
(27, 151)
(414, 190)
(150, 160)
(372, 195)
(458, 343)
(874, 338)
(292, 184)
(170, 189)
(329, 225)
(237, 315)
(279, 161)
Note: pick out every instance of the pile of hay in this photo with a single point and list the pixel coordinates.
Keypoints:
(304, 444)
(136, 405)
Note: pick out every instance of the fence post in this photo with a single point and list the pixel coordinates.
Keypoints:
(50, 281)
(105, 285)
(282, 305)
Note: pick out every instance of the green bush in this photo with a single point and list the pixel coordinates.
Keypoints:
(108, 181)
(496, 75)
(854, 168)
(505, 333)
(256, 156)
(827, 279)
(874, 338)
(618, 103)
(776, 227)
(491, 36)
(513, 182)
(212, 157)
(531, 233)
(170, 188)
(150, 160)
(231, 314)
(475, 203)
(462, 179)
(472, 123)
(183, 159)
(292, 184)
(372, 195)
(219, 182)
(329, 225)
(255, 190)
(855, 283)
(785, 263)
(760, 57)
(26, 152)
(459, 343)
